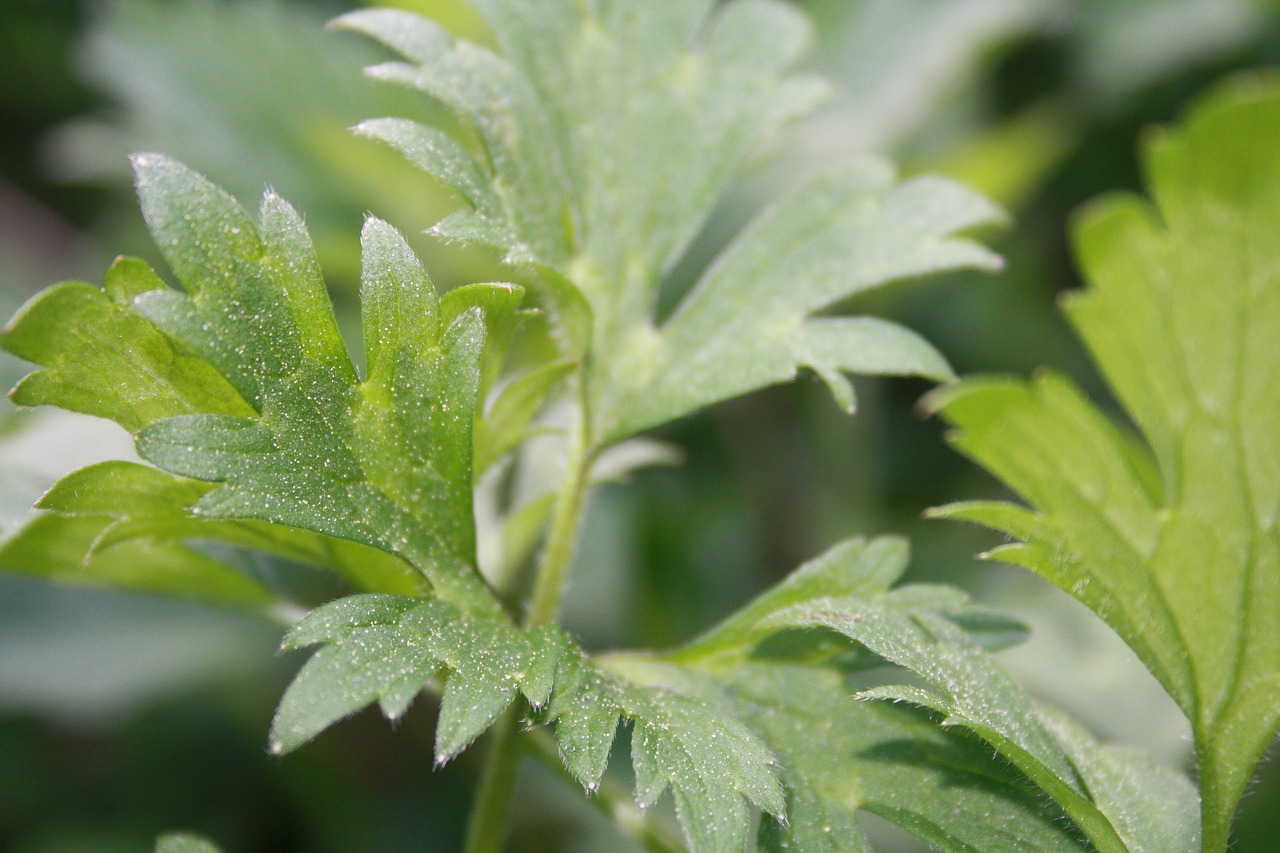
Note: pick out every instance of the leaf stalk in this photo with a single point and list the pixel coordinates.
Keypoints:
(487, 825)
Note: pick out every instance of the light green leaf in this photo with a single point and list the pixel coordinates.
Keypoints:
(385, 462)
(1172, 540)
(498, 304)
(126, 370)
(1153, 807)
(507, 422)
(143, 503)
(811, 707)
(857, 569)
(65, 549)
(752, 309)
(572, 166)
(515, 133)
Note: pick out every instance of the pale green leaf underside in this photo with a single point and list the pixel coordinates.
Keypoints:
(972, 690)
(840, 756)
(604, 136)
(242, 379)
(855, 568)
(1175, 542)
(801, 705)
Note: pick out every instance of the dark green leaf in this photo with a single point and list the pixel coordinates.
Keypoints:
(385, 462)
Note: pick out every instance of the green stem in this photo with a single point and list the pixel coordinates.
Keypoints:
(487, 826)
(553, 571)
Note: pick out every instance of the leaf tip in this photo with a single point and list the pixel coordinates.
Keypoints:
(145, 163)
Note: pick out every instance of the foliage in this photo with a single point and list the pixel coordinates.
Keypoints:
(589, 154)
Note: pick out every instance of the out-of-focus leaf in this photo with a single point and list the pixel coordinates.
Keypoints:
(184, 843)
(95, 657)
(139, 502)
(64, 549)
(1121, 48)
(1171, 539)
(505, 425)
(251, 93)
(897, 63)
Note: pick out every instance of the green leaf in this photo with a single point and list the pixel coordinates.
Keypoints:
(1153, 807)
(1172, 539)
(505, 426)
(856, 569)
(604, 193)
(685, 738)
(385, 649)
(301, 441)
(566, 165)
(154, 62)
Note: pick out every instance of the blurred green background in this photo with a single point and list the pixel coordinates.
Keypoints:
(121, 716)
